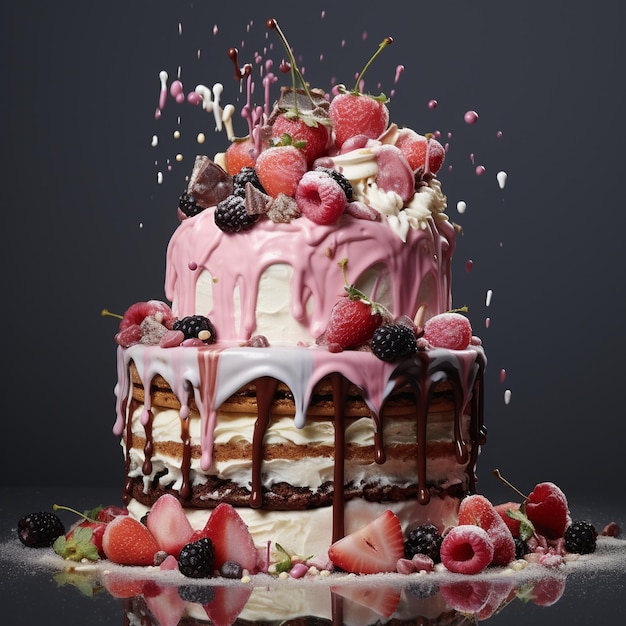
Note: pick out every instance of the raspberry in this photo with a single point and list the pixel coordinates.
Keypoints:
(448, 330)
(280, 169)
(187, 204)
(580, 538)
(340, 179)
(39, 530)
(423, 540)
(246, 175)
(197, 559)
(393, 342)
(466, 549)
(547, 509)
(196, 326)
(320, 197)
(231, 215)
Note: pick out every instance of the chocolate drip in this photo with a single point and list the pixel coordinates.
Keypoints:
(148, 448)
(265, 390)
(478, 432)
(185, 466)
(340, 395)
(126, 497)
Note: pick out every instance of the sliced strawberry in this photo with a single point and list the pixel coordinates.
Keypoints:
(378, 598)
(478, 510)
(128, 542)
(227, 604)
(372, 549)
(166, 606)
(169, 525)
(547, 509)
(231, 538)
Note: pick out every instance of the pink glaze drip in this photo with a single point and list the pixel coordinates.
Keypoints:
(313, 251)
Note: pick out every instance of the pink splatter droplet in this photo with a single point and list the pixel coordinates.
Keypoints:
(470, 117)
(487, 322)
(499, 134)
(175, 88)
(399, 70)
(432, 104)
(468, 265)
(194, 98)
(502, 375)
(480, 170)
(193, 266)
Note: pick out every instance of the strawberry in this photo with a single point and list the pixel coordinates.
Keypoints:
(313, 135)
(373, 549)
(477, 510)
(320, 197)
(545, 591)
(500, 592)
(128, 542)
(513, 524)
(547, 509)
(280, 169)
(352, 323)
(231, 538)
(227, 604)
(97, 533)
(169, 525)
(452, 331)
(356, 114)
(414, 147)
(378, 598)
(466, 549)
(109, 513)
(241, 153)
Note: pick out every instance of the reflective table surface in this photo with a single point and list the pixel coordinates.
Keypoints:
(593, 592)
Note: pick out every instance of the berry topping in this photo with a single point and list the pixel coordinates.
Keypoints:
(197, 559)
(448, 330)
(466, 549)
(231, 569)
(356, 114)
(415, 146)
(128, 542)
(39, 530)
(580, 538)
(209, 183)
(196, 327)
(306, 133)
(340, 179)
(424, 539)
(320, 197)
(246, 175)
(393, 342)
(188, 205)
(137, 312)
(280, 169)
(373, 549)
(241, 153)
(231, 215)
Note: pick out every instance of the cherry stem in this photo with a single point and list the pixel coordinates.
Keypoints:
(106, 312)
(58, 507)
(383, 44)
(273, 24)
(342, 264)
(498, 475)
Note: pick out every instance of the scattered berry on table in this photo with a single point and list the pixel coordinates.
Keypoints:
(39, 530)
(466, 549)
(393, 342)
(197, 594)
(580, 537)
(547, 509)
(424, 539)
(196, 326)
(197, 559)
(231, 215)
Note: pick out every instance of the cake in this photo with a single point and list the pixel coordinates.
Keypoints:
(304, 372)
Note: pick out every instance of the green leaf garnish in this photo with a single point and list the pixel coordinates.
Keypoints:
(78, 547)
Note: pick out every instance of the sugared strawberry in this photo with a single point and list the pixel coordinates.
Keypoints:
(169, 525)
(320, 197)
(97, 533)
(231, 538)
(227, 603)
(547, 509)
(448, 330)
(127, 541)
(373, 549)
(415, 146)
(513, 524)
(466, 549)
(381, 599)
(478, 510)
(280, 169)
(241, 153)
(356, 114)
(312, 134)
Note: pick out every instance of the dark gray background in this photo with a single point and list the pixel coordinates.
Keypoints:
(86, 224)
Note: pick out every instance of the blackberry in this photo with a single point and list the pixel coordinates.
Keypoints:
(246, 175)
(340, 179)
(39, 530)
(521, 548)
(424, 539)
(196, 594)
(197, 559)
(187, 204)
(580, 538)
(393, 342)
(231, 215)
(194, 327)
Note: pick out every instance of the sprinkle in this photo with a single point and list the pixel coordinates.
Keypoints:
(488, 297)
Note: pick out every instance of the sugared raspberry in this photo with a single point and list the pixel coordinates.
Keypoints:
(466, 549)
(320, 197)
